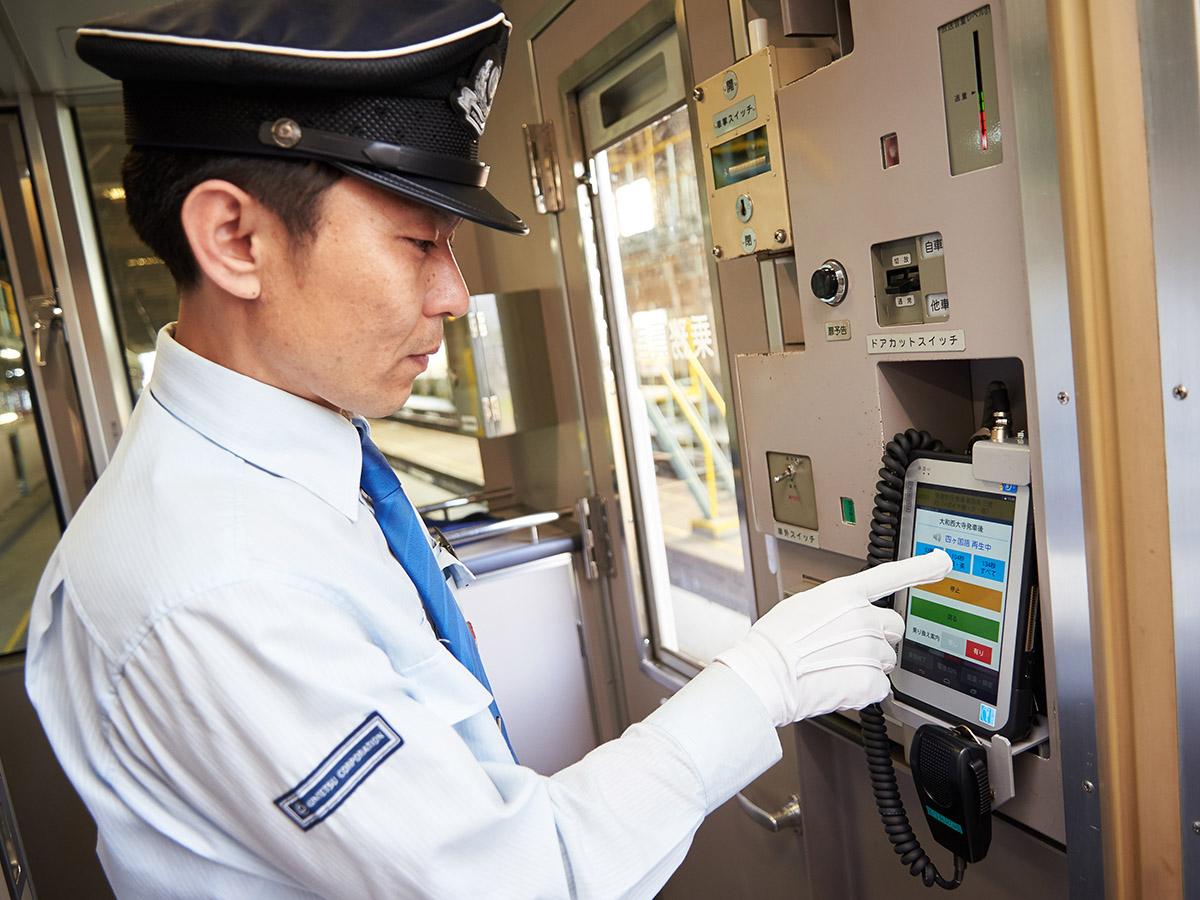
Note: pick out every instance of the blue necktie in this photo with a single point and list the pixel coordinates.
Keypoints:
(398, 521)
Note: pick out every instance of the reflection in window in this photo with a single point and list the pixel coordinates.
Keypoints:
(142, 289)
(691, 538)
(29, 526)
(426, 443)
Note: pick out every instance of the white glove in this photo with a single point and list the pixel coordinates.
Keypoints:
(828, 648)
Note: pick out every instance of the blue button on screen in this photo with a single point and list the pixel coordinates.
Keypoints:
(991, 569)
(962, 561)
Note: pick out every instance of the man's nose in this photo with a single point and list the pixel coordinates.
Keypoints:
(447, 295)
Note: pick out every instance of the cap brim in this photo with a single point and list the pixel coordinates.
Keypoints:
(472, 203)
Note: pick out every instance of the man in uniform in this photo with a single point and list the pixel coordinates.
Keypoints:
(244, 651)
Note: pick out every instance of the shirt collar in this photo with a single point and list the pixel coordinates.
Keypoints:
(269, 428)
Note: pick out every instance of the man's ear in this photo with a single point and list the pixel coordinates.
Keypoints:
(225, 228)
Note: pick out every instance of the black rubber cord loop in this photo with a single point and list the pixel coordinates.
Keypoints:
(882, 548)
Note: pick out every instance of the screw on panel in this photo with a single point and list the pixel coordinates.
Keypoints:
(1179, 392)
(698, 94)
(1088, 787)
(717, 252)
(1064, 398)
(1196, 827)
(780, 235)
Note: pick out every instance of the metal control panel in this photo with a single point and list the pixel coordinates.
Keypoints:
(743, 151)
(910, 280)
(793, 498)
(969, 93)
(913, 294)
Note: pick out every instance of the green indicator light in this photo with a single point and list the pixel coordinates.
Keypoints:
(848, 515)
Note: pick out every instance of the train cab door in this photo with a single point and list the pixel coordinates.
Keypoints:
(46, 468)
(612, 82)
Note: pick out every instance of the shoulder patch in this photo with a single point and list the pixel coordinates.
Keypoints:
(327, 786)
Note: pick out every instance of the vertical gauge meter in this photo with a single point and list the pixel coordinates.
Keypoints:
(969, 92)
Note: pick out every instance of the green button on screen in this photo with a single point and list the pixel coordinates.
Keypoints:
(988, 629)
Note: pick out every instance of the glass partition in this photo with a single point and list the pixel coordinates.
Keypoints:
(29, 518)
(142, 290)
(667, 359)
(29, 527)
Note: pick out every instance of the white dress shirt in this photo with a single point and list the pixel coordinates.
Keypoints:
(238, 678)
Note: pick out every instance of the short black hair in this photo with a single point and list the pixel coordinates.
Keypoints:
(157, 181)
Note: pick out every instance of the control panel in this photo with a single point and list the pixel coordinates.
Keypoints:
(744, 162)
(910, 281)
(969, 92)
(908, 245)
(793, 498)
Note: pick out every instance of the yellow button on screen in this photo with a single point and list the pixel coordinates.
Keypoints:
(966, 593)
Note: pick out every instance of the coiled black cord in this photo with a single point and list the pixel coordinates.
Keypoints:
(889, 493)
(891, 807)
(885, 527)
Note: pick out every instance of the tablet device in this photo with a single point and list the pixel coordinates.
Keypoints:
(968, 644)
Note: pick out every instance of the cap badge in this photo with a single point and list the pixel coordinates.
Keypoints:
(475, 97)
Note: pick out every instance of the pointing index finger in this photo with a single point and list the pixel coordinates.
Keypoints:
(898, 576)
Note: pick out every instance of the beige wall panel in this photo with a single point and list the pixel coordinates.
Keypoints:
(850, 856)
(709, 36)
(745, 322)
(730, 858)
(547, 467)
(470, 256)
(508, 262)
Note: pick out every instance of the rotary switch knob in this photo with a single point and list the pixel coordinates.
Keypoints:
(829, 283)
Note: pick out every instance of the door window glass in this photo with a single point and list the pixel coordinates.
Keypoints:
(667, 352)
(142, 289)
(29, 526)
(427, 443)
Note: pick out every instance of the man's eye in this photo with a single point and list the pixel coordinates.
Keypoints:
(423, 246)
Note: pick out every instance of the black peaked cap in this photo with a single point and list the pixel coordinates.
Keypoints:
(394, 91)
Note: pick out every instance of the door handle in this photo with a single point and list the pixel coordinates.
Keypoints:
(45, 312)
(788, 816)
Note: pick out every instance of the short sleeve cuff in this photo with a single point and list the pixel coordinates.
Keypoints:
(723, 726)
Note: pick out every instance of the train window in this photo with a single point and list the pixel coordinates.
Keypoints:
(431, 442)
(142, 290)
(667, 357)
(29, 526)
(29, 517)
